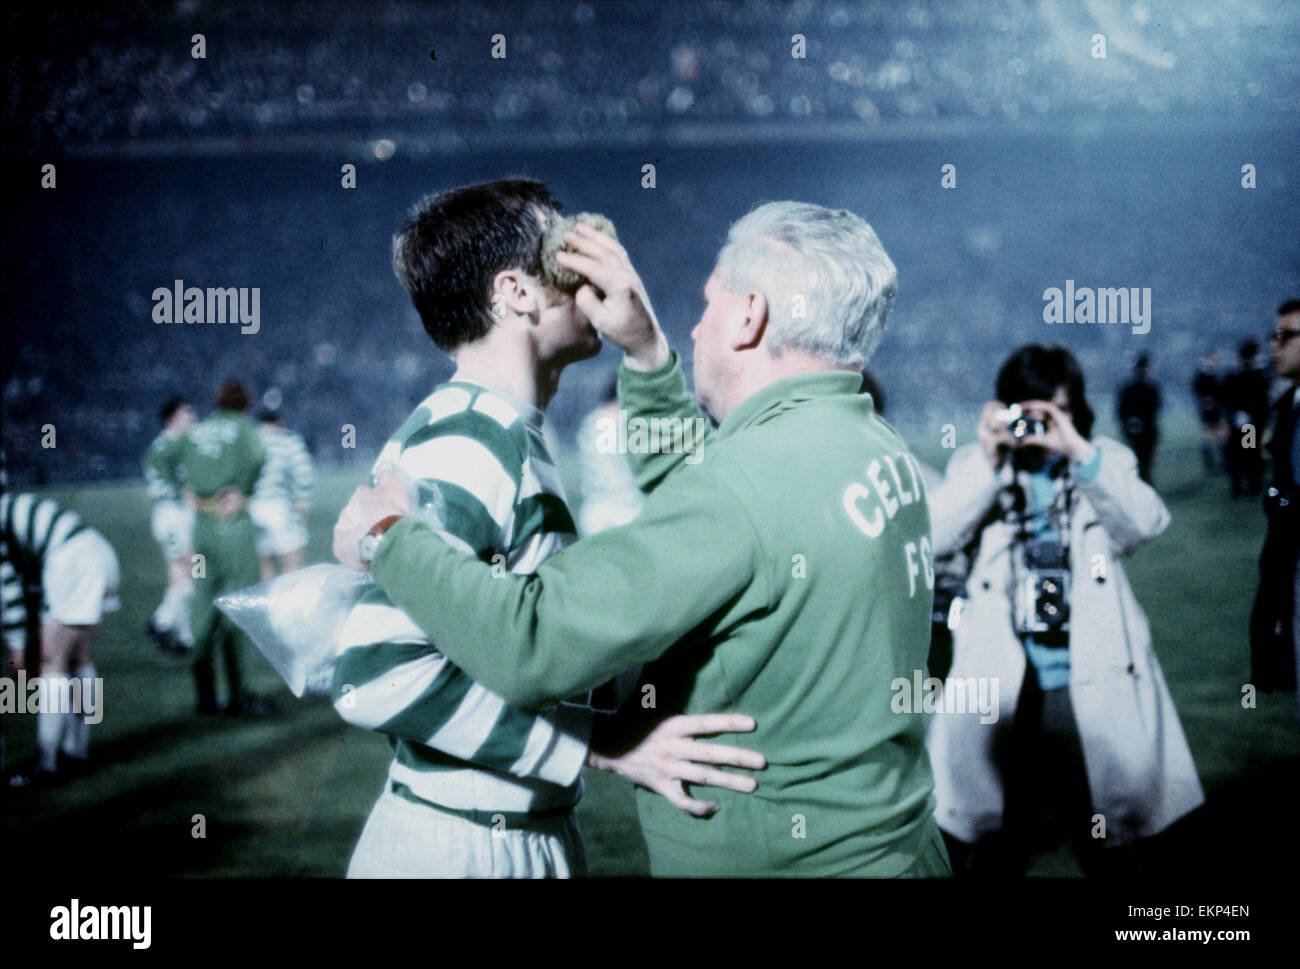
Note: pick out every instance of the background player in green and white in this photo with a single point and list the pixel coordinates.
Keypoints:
(479, 787)
(171, 521)
(78, 574)
(218, 460)
(282, 498)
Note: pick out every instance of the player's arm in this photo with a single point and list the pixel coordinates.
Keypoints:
(252, 458)
(413, 692)
(616, 599)
(165, 461)
(661, 393)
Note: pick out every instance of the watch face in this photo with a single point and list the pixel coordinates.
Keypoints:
(366, 547)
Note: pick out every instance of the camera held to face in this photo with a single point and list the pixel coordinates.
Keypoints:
(1019, 425)
(1042, 594)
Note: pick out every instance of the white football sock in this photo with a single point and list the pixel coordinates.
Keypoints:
(76, 738)
(51, 720)
(184, 605)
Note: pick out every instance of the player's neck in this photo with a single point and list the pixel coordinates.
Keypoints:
(512, 371)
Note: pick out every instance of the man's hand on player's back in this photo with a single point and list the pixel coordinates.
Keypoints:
(670, 756)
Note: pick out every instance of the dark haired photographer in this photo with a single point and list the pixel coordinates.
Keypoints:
(1087, 740)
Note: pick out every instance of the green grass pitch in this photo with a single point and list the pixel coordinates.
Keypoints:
(287, 796)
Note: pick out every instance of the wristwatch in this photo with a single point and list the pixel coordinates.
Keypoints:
(368, 544)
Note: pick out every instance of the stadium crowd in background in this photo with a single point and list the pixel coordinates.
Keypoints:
(582, 65)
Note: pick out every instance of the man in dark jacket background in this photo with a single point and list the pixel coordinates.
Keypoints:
(1245, 401)
(1273, 636)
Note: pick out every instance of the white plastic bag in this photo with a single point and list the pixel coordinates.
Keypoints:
(295, 619)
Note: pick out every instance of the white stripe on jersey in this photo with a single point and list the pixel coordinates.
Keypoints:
(472, 789)
(371, 622)
(563, 722)
(39, 525)
(13, 610)
(287, 472)
(472, 722)
(380, 700)
(465, 462)
(525, 560)
(497, 409)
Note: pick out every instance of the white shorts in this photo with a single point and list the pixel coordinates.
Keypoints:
(403, 839)
(280, 529)
(80, 579)
(172, 524)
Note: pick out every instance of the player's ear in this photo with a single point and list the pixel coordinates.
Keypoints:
(512, 289)
(752, 323)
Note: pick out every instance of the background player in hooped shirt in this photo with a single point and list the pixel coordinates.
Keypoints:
(479, 787)
(45, 545)
(785, 573)
(282, 497)
(171, 522)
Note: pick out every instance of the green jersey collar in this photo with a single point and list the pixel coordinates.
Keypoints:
(778, 397)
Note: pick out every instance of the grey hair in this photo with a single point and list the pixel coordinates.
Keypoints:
(827, 279)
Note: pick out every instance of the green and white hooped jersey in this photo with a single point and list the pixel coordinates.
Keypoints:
(30, 528)
(458, 745)
(287, 473)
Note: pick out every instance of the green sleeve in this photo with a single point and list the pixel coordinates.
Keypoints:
(612, 601)
(164, 461)
(254, 457)
(658, 393)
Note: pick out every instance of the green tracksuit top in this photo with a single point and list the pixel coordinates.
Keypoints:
(781, 571)
(221, 451)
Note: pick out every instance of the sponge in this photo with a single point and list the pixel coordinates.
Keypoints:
(566, 280)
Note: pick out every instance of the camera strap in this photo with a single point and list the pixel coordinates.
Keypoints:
(1015, 506)
(1017, 513)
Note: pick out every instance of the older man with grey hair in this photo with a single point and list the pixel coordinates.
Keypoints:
(785, 574)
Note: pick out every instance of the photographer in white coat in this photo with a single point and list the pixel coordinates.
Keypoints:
(1087, 738)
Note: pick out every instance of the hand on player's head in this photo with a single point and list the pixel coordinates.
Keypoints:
(621, 310)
